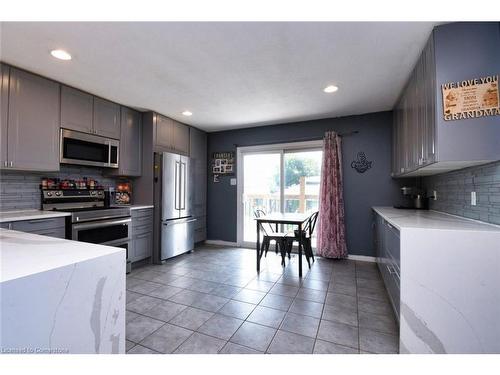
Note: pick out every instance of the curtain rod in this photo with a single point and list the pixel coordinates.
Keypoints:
(295, 140)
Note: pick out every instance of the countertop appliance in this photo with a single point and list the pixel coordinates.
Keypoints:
(174, 189)
(91, 220)
(414, 199)
(88, 149)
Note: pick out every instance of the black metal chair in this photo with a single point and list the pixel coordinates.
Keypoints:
(306, 234)
(270, 234)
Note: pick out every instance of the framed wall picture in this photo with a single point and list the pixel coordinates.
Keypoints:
(223, 163)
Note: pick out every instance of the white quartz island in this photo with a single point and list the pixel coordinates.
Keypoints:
(60, 296)
(449, 282)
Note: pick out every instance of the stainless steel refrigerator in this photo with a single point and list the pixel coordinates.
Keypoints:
(174, 173)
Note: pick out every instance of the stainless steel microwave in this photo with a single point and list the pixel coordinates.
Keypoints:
(88, 149)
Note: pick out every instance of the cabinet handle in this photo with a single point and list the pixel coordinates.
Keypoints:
(11, 164)
(5, 163)
(143, 235)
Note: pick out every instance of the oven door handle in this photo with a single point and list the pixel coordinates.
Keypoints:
(104, 223)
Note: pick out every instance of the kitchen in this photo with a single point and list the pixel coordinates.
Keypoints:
(149, 230)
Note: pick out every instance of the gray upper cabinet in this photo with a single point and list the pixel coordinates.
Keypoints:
(164, 133)
(171, 136)
(106, 120)
(130, 143)
(198, 140)
(181, 138)
(33, 122)
(76, 110)
(4, 103)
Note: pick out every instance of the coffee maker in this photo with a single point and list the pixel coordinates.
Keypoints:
(414, 198)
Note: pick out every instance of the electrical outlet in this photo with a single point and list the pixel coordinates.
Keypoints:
(435, 195)
(472, 198)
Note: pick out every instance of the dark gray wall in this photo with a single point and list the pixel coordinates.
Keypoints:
(361, 191)
(454, 188)
(21, 190)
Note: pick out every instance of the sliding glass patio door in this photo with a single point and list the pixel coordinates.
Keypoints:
(276, 178)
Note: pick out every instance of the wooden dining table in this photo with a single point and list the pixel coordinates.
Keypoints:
(297, 219)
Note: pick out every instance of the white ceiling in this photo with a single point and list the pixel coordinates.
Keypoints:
(230, 75)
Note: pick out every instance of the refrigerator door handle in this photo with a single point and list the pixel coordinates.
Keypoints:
(183, 174)
(176, 186)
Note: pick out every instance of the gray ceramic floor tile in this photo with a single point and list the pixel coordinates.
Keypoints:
(285, 290)
(338, 333)
(141, 327)
(290, 280)
(145, 287)
(254, 336)
(269, 276)
(290, 343)
(186, 297)
(340, 314)
(277, 302)
(378, 295)
(342, 300)
(142, 304)
(167, 338)
(164, 292)
(376, 322)
(325, 347)
(300, 324)
(139, 349)
(237, 309)
(343, 288)
(220, 326)
(203, 286)
(165, 278)
(267, 316)
(308, 308)
(375, 307)
(226, 291)
(377, 342)
(191, 318)
(132, 296)
(370, 284)
(249, 296)
(165, 310)
(311, 295)
(201, 344)
(232, 348)
(315, 284)
(210, 303)
(130, 315)
(182, 282)
(132, 282)
(260, 285)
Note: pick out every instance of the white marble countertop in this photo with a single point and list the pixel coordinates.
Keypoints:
(423, 219)
(23, 254)
(140, 206)
(8, 216)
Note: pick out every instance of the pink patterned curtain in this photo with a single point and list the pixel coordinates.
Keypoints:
(331, 230)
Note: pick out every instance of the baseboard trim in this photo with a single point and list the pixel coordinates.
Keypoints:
(221, 243)
(363, 258)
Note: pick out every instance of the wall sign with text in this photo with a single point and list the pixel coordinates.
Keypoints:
(222, 164)
(471, 98)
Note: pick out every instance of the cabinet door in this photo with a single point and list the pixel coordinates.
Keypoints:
(142, 247)
(106, 118)
(130, 143)
(33, 134)
(181, 137)
(430, 103)
(76, 110)
(4, 103)
(164, 133)
(198, 147)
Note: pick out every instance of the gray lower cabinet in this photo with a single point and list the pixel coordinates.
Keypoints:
(106, 118)
(77, 109)
(142, 235)
(4, 104)
(32, 123)
(387, 249)
(53, 227)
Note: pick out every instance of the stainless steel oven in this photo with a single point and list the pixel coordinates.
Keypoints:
(88, 149)
(111, 232)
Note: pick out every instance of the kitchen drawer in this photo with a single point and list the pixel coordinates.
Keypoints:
(54, 232)
(140, 229)
(201, 222)
(141, 213)
(392, 243)
(142, 247)
(142, 221)
(200, 234)
(32, 226)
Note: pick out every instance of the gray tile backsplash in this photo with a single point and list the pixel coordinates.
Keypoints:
(21, 190)
(454, 192)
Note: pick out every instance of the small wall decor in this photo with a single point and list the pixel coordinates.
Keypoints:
(361, 164)
(471, 98)
(222, 164)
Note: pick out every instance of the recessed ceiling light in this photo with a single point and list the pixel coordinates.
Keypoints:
(60, 54)
(187, 113)
(330, 89)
